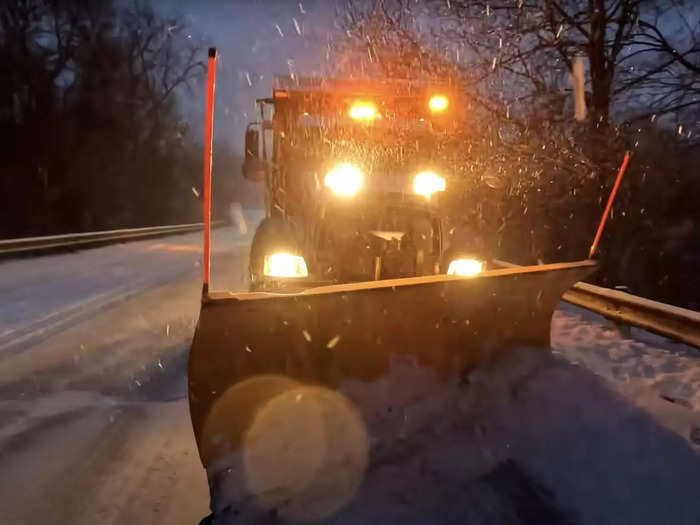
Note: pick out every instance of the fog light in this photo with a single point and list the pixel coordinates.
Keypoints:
(284, 265)
(465, 267)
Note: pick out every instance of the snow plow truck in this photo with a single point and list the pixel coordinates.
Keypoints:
(351, 280)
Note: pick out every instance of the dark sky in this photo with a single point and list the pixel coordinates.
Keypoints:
(256, 39)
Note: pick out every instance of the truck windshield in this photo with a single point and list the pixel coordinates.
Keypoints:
(377, 147)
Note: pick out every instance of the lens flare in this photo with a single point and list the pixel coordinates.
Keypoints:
(428, 182)
(305, 453)
(345, 179)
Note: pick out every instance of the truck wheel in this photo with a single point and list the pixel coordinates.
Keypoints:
(272, 235)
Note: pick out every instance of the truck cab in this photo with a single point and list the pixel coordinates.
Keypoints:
(353, 172)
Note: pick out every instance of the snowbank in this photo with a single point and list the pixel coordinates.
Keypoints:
(531, 439)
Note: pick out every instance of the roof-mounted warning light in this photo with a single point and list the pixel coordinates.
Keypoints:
(438, 103)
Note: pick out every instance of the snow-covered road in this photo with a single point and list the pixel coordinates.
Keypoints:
(94, 425)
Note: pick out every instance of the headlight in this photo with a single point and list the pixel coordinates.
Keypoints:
(344, 179)
(284, 265)
(428, 182)
(362, 111)
(438, 103)
(465, 267)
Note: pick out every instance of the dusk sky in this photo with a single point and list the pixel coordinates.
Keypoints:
(256, 39)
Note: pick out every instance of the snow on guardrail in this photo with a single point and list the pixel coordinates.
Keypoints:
(670, 321)
(28, 245)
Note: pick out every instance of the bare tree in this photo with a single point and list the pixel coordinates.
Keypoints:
(91, 135)
(533, 44)
(664, 60)
(643, 56)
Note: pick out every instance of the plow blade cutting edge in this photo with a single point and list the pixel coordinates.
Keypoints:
(249, 347)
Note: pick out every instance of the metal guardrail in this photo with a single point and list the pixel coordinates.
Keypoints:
(27, 245)
(670, 321)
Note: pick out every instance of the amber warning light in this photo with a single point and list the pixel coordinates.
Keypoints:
(438, 103)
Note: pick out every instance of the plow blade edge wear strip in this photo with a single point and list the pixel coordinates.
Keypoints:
(354, 332)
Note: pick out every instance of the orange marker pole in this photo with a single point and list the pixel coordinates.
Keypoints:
(620, 173)
(208, 138)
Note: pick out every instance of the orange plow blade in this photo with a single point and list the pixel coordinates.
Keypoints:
(249, 347)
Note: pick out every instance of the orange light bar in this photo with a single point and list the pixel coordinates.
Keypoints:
(362, 111)
(438, 103)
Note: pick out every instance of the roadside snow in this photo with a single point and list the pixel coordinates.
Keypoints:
(656, 374)
(532, 439)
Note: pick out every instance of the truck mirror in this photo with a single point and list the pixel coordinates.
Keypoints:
(252, 143)
(253, 166)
